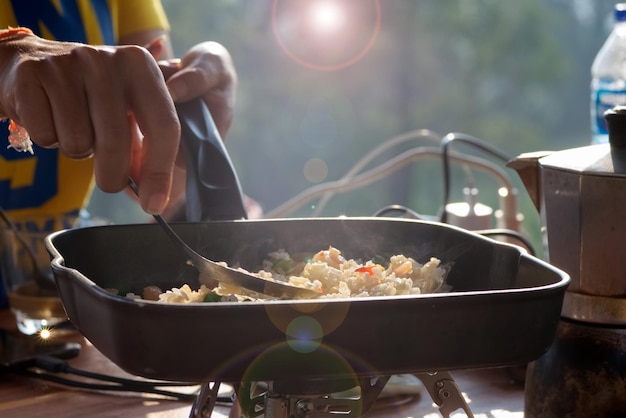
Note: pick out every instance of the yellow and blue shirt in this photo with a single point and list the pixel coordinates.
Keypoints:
(47, 188)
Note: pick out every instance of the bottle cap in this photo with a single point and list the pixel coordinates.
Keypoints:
(616, 125)
(620, 12)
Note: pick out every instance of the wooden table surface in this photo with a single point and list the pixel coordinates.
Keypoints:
(489, 393)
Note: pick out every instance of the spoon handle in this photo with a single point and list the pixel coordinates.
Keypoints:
(159, 219)
(213, 191)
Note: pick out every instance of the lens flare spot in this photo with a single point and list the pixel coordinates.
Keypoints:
(304, 334)
(328, 315)
(327, 16)
(315, 170)
(326, 35)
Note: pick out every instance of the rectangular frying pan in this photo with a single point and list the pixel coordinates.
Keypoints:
(502, 310)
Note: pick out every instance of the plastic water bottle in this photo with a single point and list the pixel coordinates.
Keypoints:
(608, 76)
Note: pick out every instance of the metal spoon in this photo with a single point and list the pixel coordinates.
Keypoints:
(226, 274)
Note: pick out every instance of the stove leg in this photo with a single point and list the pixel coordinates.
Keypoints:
(205, 401)
(235, 411)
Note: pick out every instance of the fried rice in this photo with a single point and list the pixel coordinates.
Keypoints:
(326, 272)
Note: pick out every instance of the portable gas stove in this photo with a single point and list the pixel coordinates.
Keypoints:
(326, 398)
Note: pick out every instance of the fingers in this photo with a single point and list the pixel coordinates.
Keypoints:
(80, 98)
(33, 111)
(156, 117)
(206, 70)
(156, 47)
(169, 68)
(111, 138)
(205, 67)
(70, 108)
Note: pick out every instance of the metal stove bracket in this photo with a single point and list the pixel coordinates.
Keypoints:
(347, 405)
(444, 392)
(205, 401)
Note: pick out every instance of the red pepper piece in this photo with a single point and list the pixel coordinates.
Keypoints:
(366, 269)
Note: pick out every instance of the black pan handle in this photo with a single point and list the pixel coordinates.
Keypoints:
(213, 189)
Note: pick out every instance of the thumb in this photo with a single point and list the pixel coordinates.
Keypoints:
(155, 47)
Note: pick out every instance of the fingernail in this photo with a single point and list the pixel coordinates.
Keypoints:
(156, 204)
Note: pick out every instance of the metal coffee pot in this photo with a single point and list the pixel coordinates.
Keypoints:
(581, 196)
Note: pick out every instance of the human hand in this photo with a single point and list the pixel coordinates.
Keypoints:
(85, 100)
(206, 70)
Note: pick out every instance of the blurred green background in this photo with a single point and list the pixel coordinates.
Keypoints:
(319, 89)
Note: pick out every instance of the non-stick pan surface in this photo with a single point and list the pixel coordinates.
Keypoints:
(503, 308)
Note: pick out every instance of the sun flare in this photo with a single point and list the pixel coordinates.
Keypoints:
(327, 16)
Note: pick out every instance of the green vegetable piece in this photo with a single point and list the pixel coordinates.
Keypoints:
(212, 297)
(284, 266)
(379, 259)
